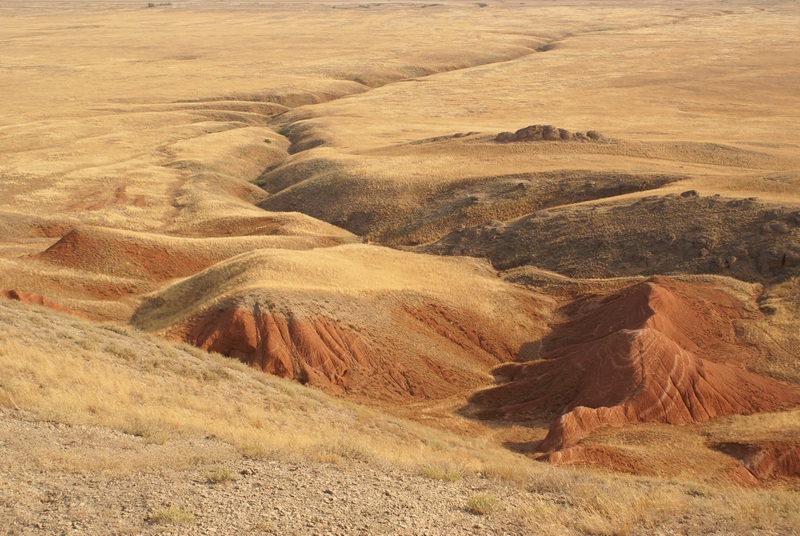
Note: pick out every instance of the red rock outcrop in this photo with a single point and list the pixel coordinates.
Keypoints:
(636, 357)
(433, 353)
(316, 351)
(36, 299)
(764, 462)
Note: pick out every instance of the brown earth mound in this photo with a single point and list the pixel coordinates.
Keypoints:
(697, 316)
(546, 133)
(35, 299)
(635, 357)
(155, 257)
(110, 252)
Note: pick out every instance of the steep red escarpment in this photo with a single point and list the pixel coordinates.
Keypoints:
(377, 323)
(434, 353)
(644, 376)
(36, 299)
(696, 316)
(636, 357)
(316, 351)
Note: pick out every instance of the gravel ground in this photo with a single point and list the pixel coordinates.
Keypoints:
(59, 479)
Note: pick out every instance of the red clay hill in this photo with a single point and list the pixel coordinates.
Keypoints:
(318, 351)
(366, 321)
(658, 351)
(36, 299)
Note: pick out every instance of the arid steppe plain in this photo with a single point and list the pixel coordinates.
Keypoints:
(400, 268)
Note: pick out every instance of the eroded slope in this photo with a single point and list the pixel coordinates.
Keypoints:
(360, 319)
(658, 351)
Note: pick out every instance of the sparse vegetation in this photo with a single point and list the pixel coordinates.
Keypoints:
(172, 515)
(483, 504)
(445, 473)
(219, 476)
(264, 417)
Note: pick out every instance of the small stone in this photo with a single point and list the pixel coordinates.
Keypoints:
(690, 193)
(550, 133)
(780, 227)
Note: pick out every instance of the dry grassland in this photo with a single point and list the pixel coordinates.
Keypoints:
(233, 175)
(72, 372)
(81, 374)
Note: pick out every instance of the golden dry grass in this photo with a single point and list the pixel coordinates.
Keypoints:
(346, 283)
(65, 370)
(172, 516)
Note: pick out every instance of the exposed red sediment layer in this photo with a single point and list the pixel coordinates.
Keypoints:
(153, 257)
(36, 299)
(316, 351)
(111, 253)
(362, 361)
(467, 335)
(636, 358)
(595, 455)
(763, 462)
(644, 376)
(694, 315)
